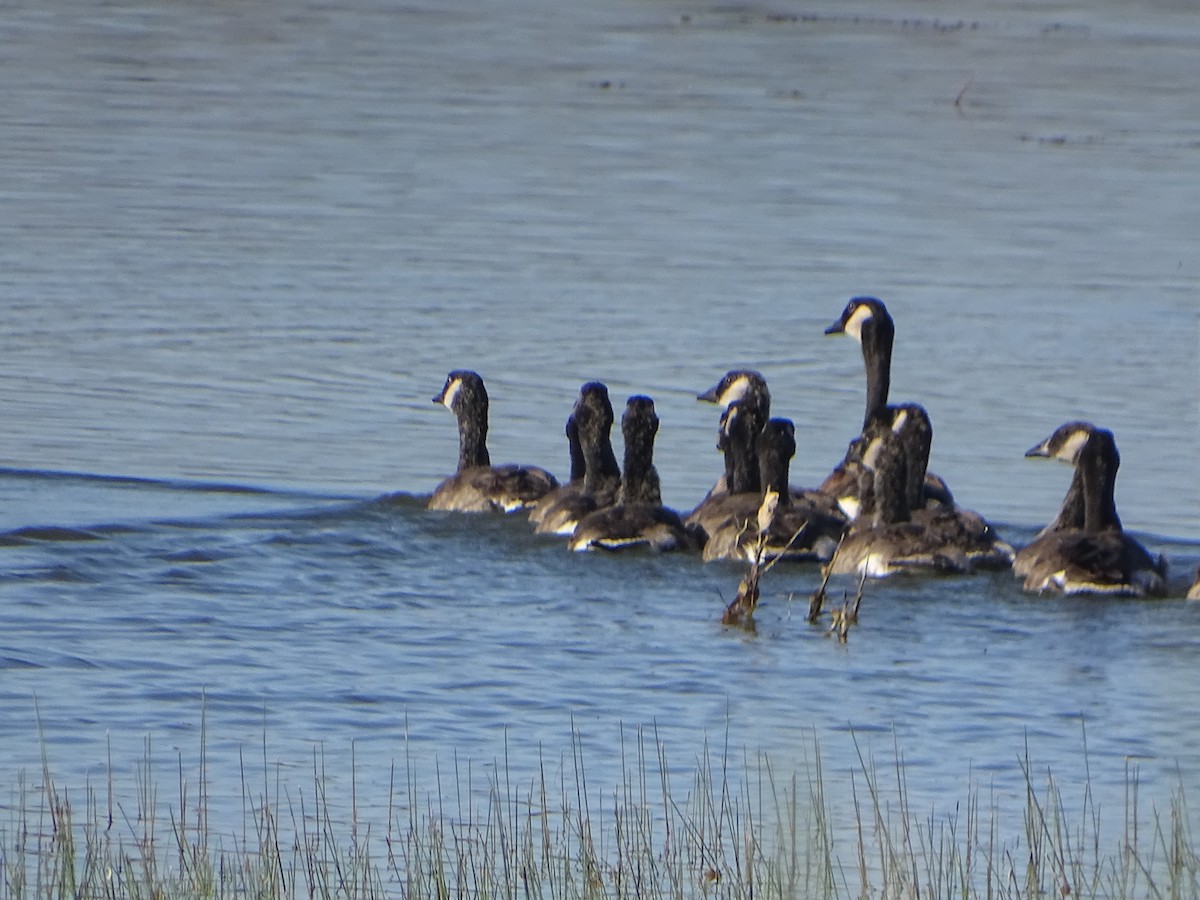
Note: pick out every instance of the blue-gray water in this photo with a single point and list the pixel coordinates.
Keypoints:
(242, 244)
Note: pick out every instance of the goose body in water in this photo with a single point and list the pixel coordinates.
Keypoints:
(804, 527)
(890, 537)
(596, 476)
(1085, 550)
(867, 320)
(638, 518)
(477, 485)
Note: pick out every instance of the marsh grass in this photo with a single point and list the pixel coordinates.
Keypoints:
(723, 829)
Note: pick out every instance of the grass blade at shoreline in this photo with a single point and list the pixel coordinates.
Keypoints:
(736, 830)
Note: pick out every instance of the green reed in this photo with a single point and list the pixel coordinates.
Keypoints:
(725, 829)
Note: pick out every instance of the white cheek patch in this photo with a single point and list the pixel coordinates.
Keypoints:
(871, 457)
(900, 421)
(1069, 451)
(851, 506)
(730, 418)
(735, 391)
(450, 393)
(858, 318)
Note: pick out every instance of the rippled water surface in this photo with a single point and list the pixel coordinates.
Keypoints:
(242, 245)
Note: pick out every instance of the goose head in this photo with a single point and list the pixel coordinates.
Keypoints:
(593, 412)
(1066, 444)
(463, 390)
(1093, 453)
(744, 385)
(865, 319)
(465, 396)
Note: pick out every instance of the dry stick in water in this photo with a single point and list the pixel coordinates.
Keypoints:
(848, 615)
(818, 598)
(740, 611)
(862, 583)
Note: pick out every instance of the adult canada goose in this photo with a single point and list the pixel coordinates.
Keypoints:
(739, 490)
(807, 527)
(867, 320)
(1092, 555)
(477, 485)
(749, 389)
(638, 518)
(596, 477)
(890, 537)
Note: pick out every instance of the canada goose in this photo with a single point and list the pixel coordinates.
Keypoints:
(739, 490)
(807, 527)
(477, 485)
(748, 388)
(867, 320)
(638, 518)
(889, 537)
(595, 475)
(1091, 554)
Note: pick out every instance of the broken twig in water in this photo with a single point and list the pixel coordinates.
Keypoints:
(848, 615)
(816, 600)
(741, 610)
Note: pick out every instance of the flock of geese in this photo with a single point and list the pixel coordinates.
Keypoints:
(880, 512)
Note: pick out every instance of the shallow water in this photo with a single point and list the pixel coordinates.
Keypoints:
(240, 250)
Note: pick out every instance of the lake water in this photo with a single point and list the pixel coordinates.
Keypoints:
(241, 246)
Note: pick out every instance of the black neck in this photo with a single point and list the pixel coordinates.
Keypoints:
(777, 445)
(603, 473)
(640, 484)
(472, 438)
(578, 460)
(1099, 462)
(877, 336)
(1071, 513)
(639, 481)
(740, 427)
(594, 419)
(741, 471)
